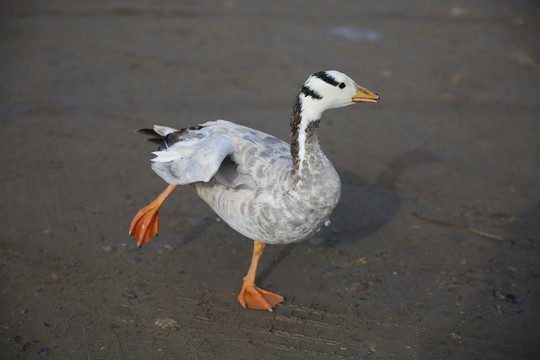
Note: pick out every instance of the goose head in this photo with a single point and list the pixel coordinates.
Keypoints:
(329, 90)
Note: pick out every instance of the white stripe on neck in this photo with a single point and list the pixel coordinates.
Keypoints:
(306, 116)
(301, 143)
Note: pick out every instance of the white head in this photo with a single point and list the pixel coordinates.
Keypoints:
(329, 90)
(322, 91)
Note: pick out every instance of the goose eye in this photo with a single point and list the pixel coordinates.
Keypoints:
(341, 85)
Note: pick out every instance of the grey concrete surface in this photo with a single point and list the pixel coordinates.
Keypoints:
(454, 140)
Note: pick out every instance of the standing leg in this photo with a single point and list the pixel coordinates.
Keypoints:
(252, 296)
(145, 224)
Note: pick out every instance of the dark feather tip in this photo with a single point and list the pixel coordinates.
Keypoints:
(149, 132)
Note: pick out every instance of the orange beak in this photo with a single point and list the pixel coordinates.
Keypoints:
(364, 95)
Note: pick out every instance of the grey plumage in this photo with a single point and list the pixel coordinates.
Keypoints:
(258, 184)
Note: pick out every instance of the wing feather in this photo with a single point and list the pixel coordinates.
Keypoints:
(234, 155)
(196, 158)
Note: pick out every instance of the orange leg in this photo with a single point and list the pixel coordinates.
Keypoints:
(252, 296)
(146, 223)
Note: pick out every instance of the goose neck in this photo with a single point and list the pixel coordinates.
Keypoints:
(304, 137)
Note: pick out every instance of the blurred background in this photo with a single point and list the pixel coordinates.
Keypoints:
(433, 251)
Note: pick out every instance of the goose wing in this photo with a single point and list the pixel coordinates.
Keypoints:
(234, 155)
(189, 155)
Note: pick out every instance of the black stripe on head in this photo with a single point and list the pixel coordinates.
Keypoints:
(310, 92)
(323, 75)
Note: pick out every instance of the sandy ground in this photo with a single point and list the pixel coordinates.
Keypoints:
(455, 140)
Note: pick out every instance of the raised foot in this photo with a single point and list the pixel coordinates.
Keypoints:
(145, 224)
(254, 297)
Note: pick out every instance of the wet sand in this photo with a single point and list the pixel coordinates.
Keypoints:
(433, 251)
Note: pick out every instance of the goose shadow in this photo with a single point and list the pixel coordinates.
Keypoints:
(364, 208)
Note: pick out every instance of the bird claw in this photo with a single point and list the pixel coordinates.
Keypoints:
(145, 224)
(254, 297)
